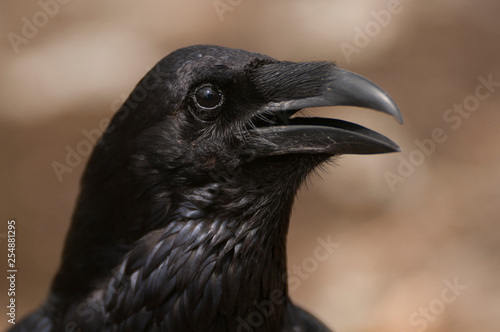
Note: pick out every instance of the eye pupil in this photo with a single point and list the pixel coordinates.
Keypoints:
(208, 97)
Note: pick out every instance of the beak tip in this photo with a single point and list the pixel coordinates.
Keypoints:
(395, 112)
(399, 117)
(351, 89)
(390, 107)
(391, 148)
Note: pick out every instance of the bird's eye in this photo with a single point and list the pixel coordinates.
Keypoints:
(208, 97)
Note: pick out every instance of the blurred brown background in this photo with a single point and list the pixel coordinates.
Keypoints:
(401, 243)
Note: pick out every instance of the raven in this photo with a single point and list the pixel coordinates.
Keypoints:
(185, 202)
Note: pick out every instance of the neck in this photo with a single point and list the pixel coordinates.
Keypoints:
(232, 257)
(217, 251)
(229, 258)
(223, 268)
(233, 269)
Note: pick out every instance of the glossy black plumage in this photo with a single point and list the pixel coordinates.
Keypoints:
(184, 207)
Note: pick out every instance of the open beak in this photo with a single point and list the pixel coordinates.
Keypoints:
(288, 87)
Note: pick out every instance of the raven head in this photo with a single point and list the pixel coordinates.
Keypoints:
(213, 111)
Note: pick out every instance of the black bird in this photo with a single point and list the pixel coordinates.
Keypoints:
(184, 207)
